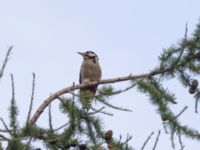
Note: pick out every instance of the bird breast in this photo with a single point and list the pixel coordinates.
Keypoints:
(90, 71)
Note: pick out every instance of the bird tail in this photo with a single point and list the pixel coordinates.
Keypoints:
(87, 96)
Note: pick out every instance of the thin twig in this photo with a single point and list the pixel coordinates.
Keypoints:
(172, 139)
(114, 107)
(156, 142)
(181, 112)
(165, 127)
(128, 138)
(196, 105)
(100, 111)
(1, 130)
(50, 119)
(96, 111)
(5, 126)
(124, 90)
(180, 141)
(5, 61)
(13, 87)
(147, 140)
(32, 98)
(186, 31)
(73, 94)
(64, 125)
(4, 138)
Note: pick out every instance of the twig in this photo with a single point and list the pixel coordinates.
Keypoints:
(147, 140)
(165, 127)
(5, 126)
(61, 127)
(32, 97)
(128, 138)
(156, 142)
(196, 105)
(100, 111)
(96, 111)
(182, 111)
(4, 138)
(186, 31)
(124, 90)
(172, 139)
(1, 130)
(50, 119)
(180, 141)
(114, 107)
(5, 61)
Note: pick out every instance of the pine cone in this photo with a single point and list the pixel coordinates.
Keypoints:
(192, 90)
(108, 136)
(164, 117)
(194, 84)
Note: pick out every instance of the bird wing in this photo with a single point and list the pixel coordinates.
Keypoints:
(80, 78)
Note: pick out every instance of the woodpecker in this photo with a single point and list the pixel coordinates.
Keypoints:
(90, 71)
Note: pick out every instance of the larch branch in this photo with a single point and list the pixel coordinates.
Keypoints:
(84, 85)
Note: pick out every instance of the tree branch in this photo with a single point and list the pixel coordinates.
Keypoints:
(84, 85)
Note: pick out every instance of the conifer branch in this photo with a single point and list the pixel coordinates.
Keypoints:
(106, 81)
(13, 109)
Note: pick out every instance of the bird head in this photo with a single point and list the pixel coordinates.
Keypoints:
(89, 55)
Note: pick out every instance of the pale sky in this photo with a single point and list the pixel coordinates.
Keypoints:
(128, 37)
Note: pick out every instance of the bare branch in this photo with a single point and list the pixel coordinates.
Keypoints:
(50, 119)
(182, 111)
(5, 126)
(79, 86)
(64, 125)
(5, 61)
(172, 139)
(147, 140)
(196, 105)
(156, 142)
(114, 107)
(32, 97)
(100, 111)
(180, 141)
(4, 138)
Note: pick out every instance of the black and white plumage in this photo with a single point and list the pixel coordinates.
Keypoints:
(90, 71)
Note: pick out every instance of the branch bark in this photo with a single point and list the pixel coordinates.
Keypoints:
(55, 95)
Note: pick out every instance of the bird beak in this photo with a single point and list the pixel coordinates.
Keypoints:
(81, 53)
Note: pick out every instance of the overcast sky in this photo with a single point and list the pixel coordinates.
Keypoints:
(128, 37)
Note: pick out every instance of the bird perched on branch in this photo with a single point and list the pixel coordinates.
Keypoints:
(90, 71)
